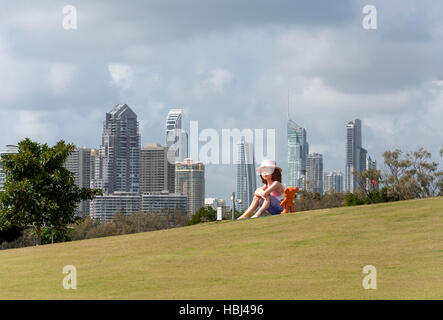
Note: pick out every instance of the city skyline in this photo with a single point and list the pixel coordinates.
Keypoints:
(233, 72)
(296, 134)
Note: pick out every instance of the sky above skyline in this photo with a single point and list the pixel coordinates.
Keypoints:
(227, 64)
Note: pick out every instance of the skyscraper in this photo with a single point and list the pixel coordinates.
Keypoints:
(175, 135)
(95, 163)
(246, 176)
(190, 180)
(119, 160)
(314, 173)
(353, 154)
(156, 173)
(298, 150)
(333, 181)
(10, 149)
(356, 156)
(79, 163)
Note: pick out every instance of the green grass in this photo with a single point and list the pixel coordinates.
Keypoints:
(309, 255)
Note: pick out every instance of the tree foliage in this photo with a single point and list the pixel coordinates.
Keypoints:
(362, 197)
(369, 180)
(39, 191)
(204, 214)
(126, 224)
(306, 200)
(411, 174)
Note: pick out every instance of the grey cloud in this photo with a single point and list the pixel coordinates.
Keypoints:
(108, 25)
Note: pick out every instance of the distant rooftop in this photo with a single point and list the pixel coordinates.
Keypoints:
(152, 145)
(121, 109)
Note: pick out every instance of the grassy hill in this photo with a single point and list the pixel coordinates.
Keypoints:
(309, 255)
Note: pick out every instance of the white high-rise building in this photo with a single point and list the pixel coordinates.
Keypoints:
(176, 137)
(356, 156)
(95, 164)
(314, 173)
(156, 172)
(190, 180)
(333, 181)
(10, 149)
(153, 202)
(79, 163)
(246, 175)
(103, 208)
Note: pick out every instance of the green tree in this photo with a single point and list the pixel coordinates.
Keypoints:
(401, 185)
(424, 171)
(368, 179)
(204, 214)
(411, 174)
(39, 191)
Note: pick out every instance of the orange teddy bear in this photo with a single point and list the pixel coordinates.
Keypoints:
(288, 202)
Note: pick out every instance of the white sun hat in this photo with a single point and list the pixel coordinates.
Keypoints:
(267, 166)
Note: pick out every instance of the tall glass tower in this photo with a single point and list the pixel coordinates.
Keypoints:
(298, 150)
(246, 176)
(175, 135)
(355, 155)
(314, 173)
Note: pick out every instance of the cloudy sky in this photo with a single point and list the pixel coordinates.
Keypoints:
(228, 64)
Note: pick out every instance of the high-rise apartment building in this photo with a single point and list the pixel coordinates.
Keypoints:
(103, 208)
(246, 175)
(314, 173)
(190, 180)
(356, 156)
(119, 159)
(153, 202)
(298, 150)
(95, 163)
(156, 172)
(354, 152)
(176, 137)
(10, 149)
(333, 181)
(79, 163)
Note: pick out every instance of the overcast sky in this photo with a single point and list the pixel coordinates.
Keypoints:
(228, 64)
